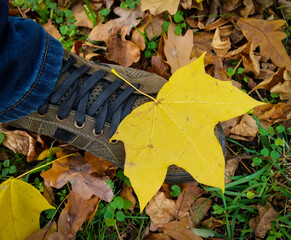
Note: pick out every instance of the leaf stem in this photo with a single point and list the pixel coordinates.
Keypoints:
(115, 73)
(22, 175)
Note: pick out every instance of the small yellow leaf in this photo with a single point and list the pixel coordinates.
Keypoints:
(47, 152)
(21, 205)
(178, 128)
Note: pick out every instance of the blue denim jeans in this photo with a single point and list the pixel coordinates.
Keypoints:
(30, 62)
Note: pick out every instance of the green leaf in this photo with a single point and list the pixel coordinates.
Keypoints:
(2, 137)
(178, 17)
(12, 169)
(274, 155)
(117, 202)
(126, 204)
(6, 163)
(265, 152)
(175, 191)
(147, 53)
(263, 131)
(105, 11)
(206, 233)
(178, 30)
(256, 161)
(152, 45)
(50, 213)
(240, 70)
(110, 184)
(280, 129)
(59, 20)
(166, 26)
(110, 222)
(64, 29)
(218, 209)
(60, 13)
(5, 171)
(71, 20)
(271, 131)
(120, 216)
(279, 142)
(250, 195)
(68, 13)
(109, 213)
(274, 95)
(230, 72)
(123, 5)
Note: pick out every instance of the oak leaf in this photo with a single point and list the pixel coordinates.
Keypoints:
(263, 33)
(122, 51)
(158, 6)
(161, 209)
(262, 223)
(21, 205)
(127, 17)
(178, 48)
(75, 213)
(178, 231)
(177, 128)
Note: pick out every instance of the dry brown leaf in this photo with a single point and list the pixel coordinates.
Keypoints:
(202, 42)
(284, 89)
(262, 223)
(200, 209)
(270, 114)
(44, 233)
(160, 209)
(157, 236)
(79, 13)
(286, 8)
(99, 165)
(52, 29)
(249, 8)
(178, 49)
(75, 213)
(220, 47)
(155, 26)
(20, 142)
(245, 130)
(122, 51)
(178, 231)
(126, 193)
(190, 191)
(138, 39)
(48, 193)
(158, 6)
(230, 168)
(212, 223)
(159, 67)
(86, 185)
(76, 170)
(250, 61)
(129, 18)
(212, 13)
(263, 33)
(228, 6)
(218, 23)
(272, 81)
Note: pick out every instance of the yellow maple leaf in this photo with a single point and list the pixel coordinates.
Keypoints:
(178, 128)
(21, 205)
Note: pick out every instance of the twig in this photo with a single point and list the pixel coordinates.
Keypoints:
(236, 67)
(117, 231)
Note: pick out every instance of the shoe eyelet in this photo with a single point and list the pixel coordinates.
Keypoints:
(98, 134)
(78, 126)
(61, 120)
(114, 141)
(41, 115)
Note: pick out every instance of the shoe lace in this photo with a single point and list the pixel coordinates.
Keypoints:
(107, 111)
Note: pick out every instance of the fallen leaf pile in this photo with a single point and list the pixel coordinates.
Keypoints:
(174, 219)
(244, 45)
